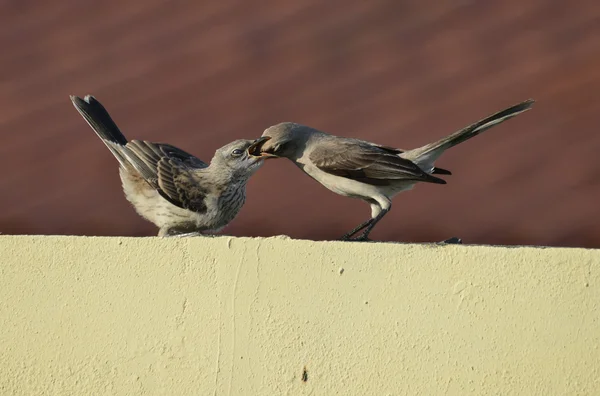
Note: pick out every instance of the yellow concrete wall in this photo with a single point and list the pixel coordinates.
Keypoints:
(230, 316)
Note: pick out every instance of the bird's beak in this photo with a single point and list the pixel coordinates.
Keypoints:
(255, 148)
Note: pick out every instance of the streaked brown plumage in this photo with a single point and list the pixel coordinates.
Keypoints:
(179, 193)
(368, 171)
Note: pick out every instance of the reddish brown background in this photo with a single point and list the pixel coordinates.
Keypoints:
(399, 73)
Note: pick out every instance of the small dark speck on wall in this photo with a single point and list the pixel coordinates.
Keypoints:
(304, 375)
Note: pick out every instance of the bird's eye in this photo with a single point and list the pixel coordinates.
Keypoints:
(236, 152)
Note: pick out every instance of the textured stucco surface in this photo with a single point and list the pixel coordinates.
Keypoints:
(229, 316)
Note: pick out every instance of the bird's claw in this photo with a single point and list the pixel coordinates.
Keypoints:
(346, 237)
(360, 238)
(186, 234)
(452, 241)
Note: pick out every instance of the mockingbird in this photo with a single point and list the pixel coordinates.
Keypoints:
(173, 189)
(368, 171)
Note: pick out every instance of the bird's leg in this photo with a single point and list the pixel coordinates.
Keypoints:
(346, 237)
(365, 234)
(378, 209)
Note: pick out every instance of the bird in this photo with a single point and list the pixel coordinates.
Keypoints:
(368, 171)
(174, 190)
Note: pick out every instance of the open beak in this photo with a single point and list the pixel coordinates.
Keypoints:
(255, 147)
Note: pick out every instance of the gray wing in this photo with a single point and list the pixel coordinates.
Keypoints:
(435, 170)
(366, 162)
(170, 171)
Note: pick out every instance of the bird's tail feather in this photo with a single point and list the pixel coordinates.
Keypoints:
(425, 156)
(102, 123)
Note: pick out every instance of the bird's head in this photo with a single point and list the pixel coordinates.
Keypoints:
(240, 156)
(285, 140)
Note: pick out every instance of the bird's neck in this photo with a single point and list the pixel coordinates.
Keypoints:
(224, 176)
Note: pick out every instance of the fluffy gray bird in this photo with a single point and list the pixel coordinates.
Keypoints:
(173, 189)
(368, 171)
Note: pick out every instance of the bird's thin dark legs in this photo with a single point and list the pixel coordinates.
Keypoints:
(367, 225)
(347, 236)
(365, 234)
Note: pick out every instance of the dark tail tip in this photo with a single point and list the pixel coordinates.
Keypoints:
(511, 111)
(523, 105)
(77, 101)
(440, 171)
(86, 102)
(433, 179)
(97, 116)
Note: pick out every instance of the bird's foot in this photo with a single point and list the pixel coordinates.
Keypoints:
(452, 241)
(185, 234)
(345, 237)
(189, 234)
(360, 238)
